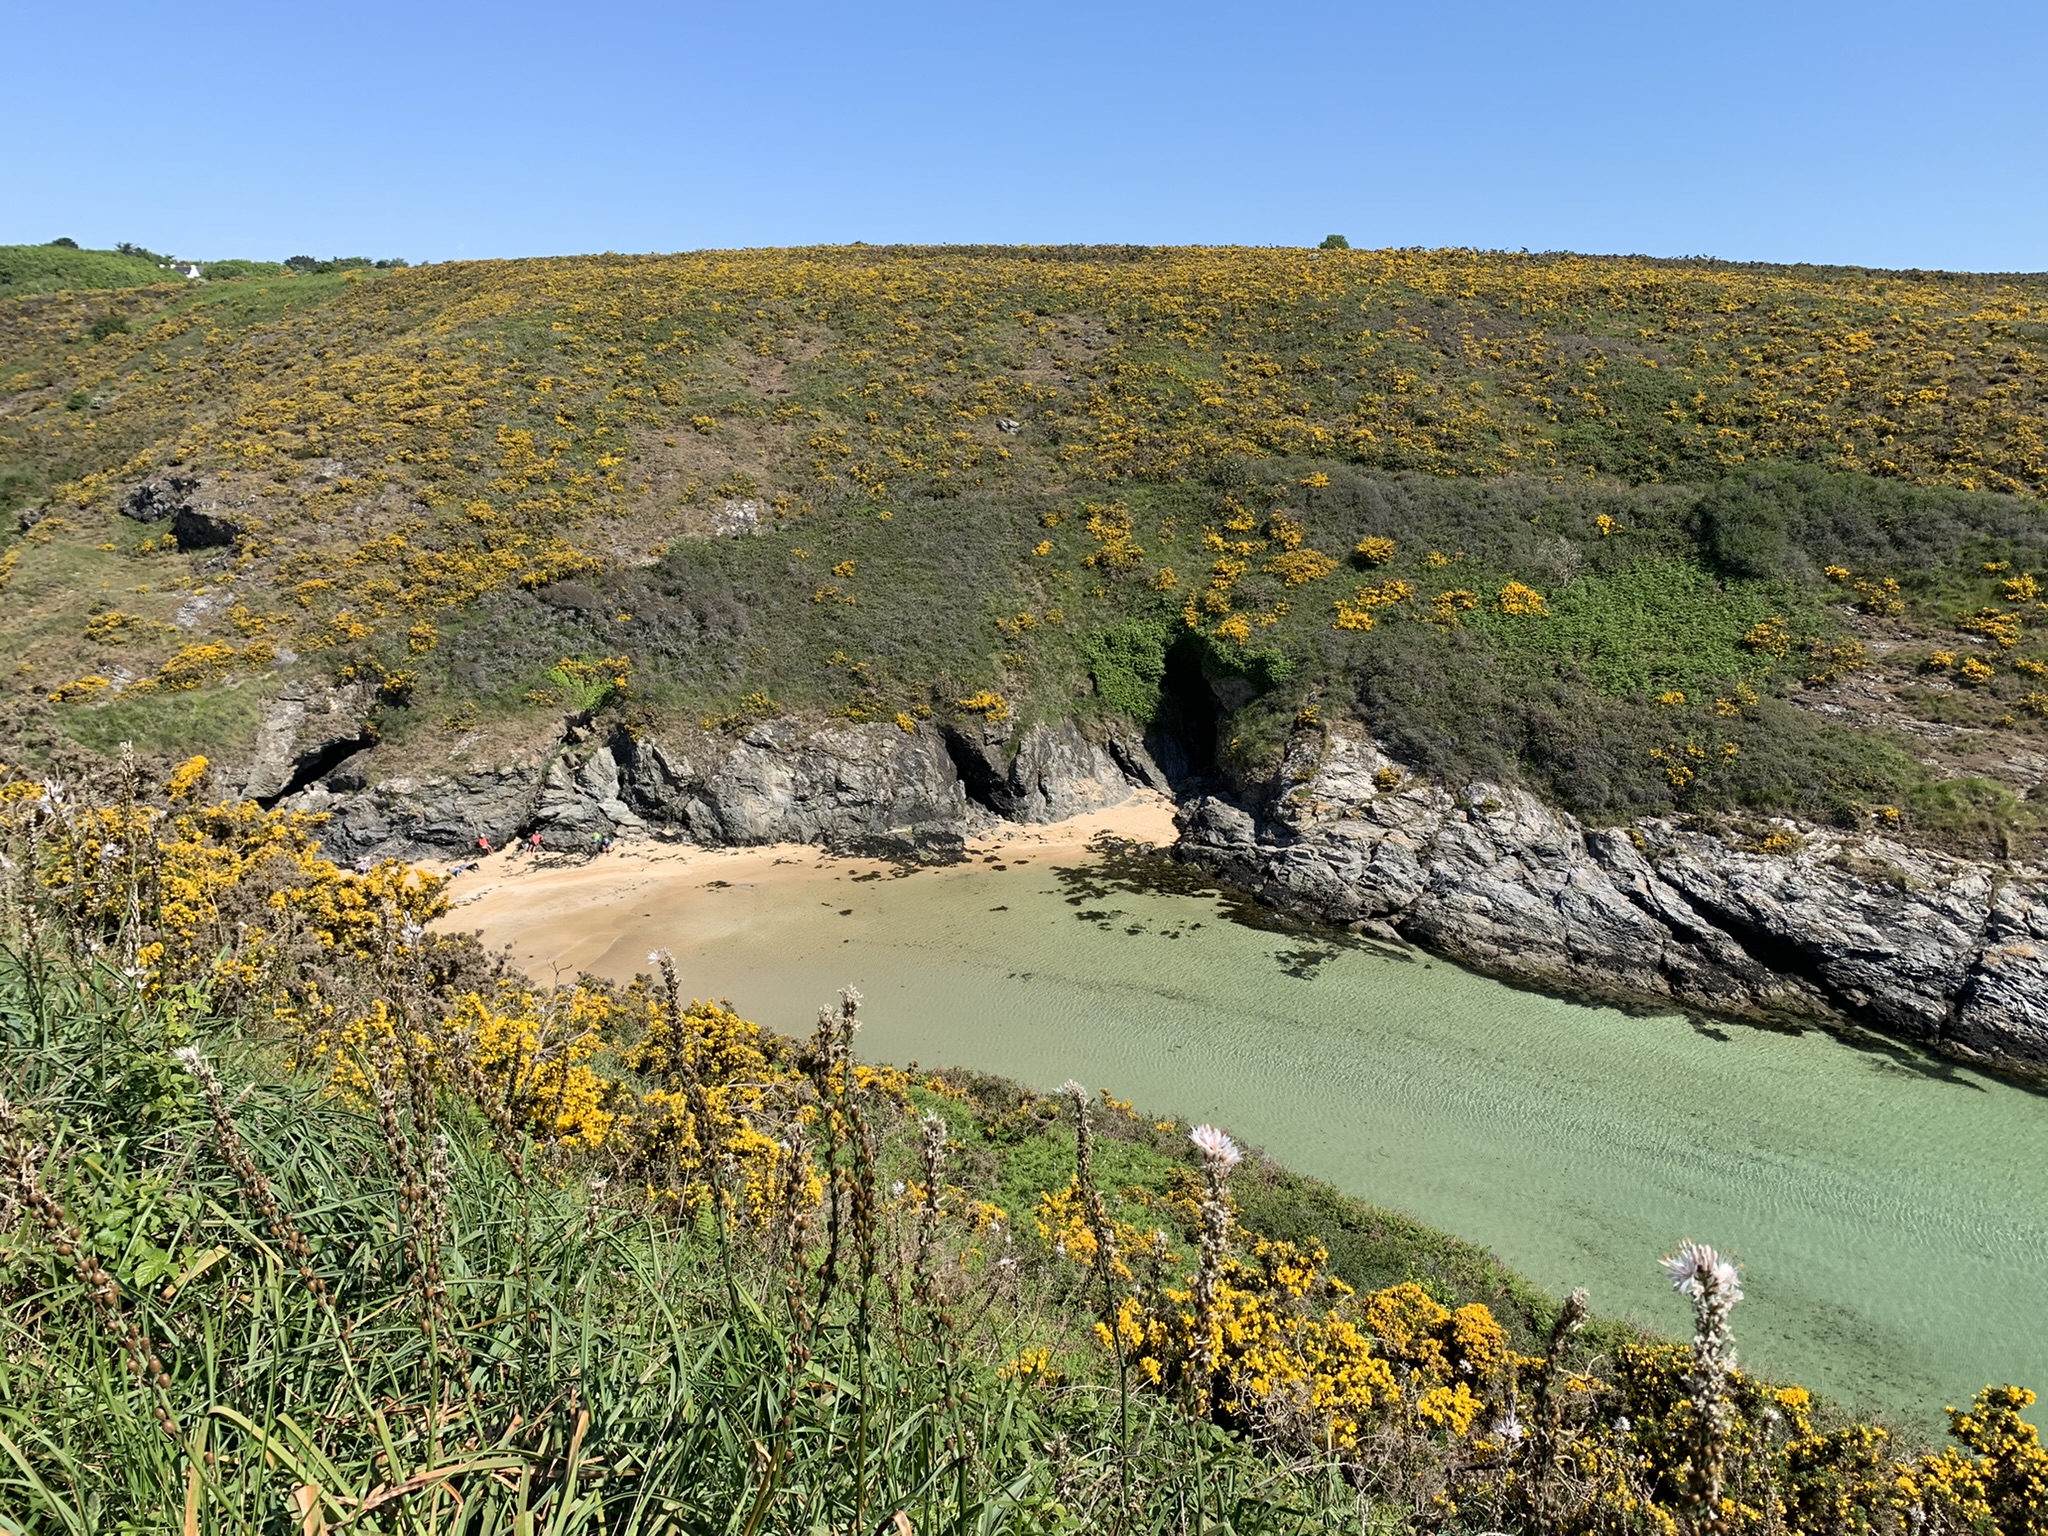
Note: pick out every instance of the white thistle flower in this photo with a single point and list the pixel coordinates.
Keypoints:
(656, 956)
(1216, 1146)
(1696, 1268)
(111, 852)
(412, 933)
(1073, 1089)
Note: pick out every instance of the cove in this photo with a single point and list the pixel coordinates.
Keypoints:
(1891, 1212)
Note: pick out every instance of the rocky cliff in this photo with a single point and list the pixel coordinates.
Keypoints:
(1810, 922)
(857, 788)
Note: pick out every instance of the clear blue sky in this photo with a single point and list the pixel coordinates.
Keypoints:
(1880, 133)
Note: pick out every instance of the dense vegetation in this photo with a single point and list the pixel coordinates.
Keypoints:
(62, 266)
(312, 1218)
(1674, 535)
(51, 268)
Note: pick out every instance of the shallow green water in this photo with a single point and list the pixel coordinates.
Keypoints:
(1892, 1215)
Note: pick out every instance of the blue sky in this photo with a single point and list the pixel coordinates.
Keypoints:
(1876, 133)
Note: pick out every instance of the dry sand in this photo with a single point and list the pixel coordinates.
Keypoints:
(559, 915)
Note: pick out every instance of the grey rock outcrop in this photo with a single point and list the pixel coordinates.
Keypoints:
(868, 788)
(1942, 950)
(305, 732)
(151, 501)
(1055, 771)
(438, 816)
(176, 497)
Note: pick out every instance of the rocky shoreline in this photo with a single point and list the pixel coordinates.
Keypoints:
(1949, 953)
(1812, 924)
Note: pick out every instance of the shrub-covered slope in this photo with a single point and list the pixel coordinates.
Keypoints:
(1652, 535)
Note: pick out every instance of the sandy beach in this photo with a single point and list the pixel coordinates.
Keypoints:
(559, 916)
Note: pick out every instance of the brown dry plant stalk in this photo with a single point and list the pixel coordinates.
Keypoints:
(21, 1167)
(284, 1231)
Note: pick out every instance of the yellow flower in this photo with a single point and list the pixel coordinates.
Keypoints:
(1374, 549)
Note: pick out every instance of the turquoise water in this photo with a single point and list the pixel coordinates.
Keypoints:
(1892, 1213)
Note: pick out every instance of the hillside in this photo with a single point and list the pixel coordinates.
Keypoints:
(1672, 629)
(1755, 548)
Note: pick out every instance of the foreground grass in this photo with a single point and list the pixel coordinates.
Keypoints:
(312, 1220)
(560, 1355)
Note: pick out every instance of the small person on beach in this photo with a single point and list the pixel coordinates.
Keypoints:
(483, 844)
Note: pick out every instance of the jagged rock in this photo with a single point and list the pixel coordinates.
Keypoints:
(1135, 756)
(154, 500)
(306, 732)
(2001, 1002)
(173, 497)
(408, 818)
(1056, 771)
(1941, 950)
(869, 788)
(194, 529)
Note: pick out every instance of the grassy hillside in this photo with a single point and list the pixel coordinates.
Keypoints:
(58, 268)
(313, 1219)
(1674, 535)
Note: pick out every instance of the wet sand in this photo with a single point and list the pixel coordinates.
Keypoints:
(561, 915)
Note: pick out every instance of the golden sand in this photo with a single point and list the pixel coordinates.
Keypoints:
(559, 915)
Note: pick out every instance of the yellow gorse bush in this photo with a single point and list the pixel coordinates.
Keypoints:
(240, 901)
(404, 444)
(1293, 1354)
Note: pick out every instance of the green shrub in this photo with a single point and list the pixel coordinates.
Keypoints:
(55, 268)
(1127, 663)
(228, 271)
(1743, 524)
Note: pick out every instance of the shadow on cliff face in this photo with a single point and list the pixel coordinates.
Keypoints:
(1182, 738)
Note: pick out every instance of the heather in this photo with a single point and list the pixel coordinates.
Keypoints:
(1727, 541)
(315, 1216)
